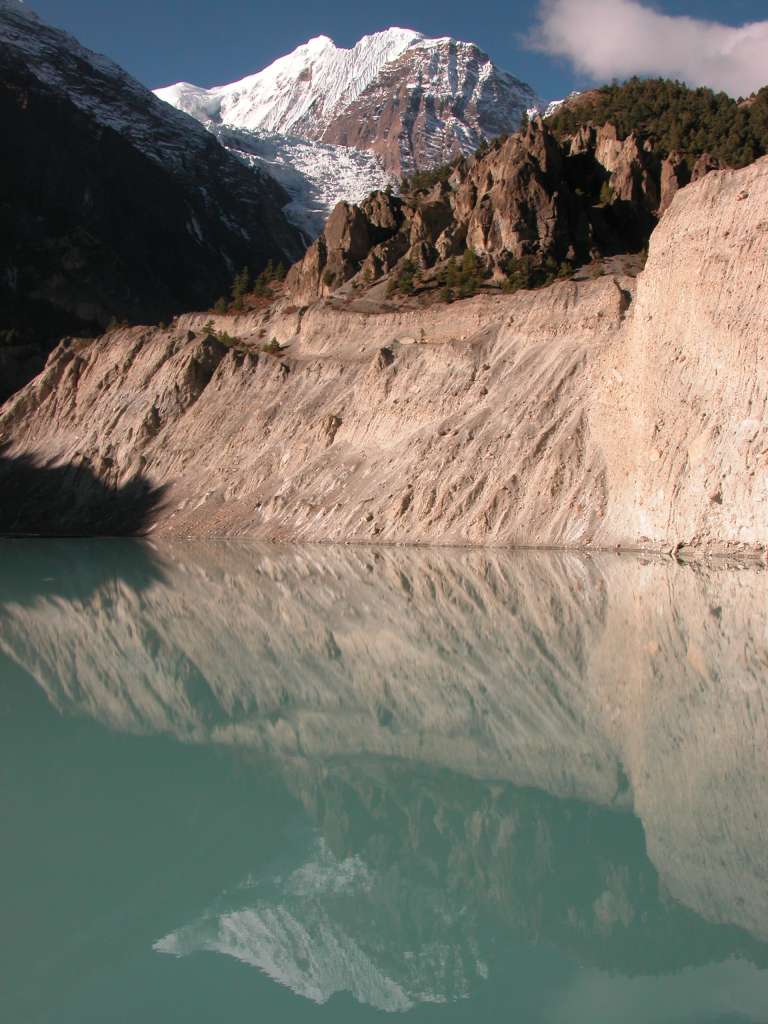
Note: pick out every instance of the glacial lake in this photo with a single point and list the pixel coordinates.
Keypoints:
(260, 784)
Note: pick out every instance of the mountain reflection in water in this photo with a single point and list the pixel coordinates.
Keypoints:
(427, 780)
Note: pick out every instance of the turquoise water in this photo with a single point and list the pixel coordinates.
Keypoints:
(304, 784)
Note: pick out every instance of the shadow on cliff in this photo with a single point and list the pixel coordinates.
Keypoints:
(71, 500)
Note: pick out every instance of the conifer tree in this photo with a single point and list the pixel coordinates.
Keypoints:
(240, 287)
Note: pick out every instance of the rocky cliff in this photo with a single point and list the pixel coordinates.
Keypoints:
(439, 99)
(532, 203)
(606, 411)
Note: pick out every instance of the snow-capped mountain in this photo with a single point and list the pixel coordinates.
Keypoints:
(113, 100)
(409, 101)
(548, 109)
(300, 93)
(440, 98)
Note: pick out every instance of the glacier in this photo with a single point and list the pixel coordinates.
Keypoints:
(316, 175)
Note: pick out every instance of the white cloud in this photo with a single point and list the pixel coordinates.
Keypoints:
(608, 39)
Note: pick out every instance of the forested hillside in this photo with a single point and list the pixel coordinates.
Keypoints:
(691, 121)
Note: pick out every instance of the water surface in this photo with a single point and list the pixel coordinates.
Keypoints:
(243, 783)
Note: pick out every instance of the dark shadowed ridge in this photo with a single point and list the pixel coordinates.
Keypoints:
(113, 205)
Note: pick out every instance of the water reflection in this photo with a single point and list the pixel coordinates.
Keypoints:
(541, 767)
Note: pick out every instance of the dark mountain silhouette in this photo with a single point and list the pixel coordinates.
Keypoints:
(112, 204)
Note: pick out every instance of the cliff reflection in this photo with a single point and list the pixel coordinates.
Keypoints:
(493, 748)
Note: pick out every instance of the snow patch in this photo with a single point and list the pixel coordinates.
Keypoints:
(316, 175)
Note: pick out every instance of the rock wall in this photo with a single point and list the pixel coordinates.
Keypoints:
(683, 415)
(590, 413)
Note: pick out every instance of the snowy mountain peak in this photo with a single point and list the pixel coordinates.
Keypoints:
(318, 43)
(413, 100)
(299, 93)
(332, 123)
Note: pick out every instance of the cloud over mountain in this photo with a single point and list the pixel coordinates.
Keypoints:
(617, 38)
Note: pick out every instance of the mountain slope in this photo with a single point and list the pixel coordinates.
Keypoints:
(146, 216)
(413, 101)
(439, 99)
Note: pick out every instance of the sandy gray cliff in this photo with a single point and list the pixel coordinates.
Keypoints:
(591, 413)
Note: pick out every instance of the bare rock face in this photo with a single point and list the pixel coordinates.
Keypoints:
(675, 174)
(515, 200)
(436, 101)
(704, 165)
(632, 165)
(352, 234)
(432, 217)
(697, 359)
(590, 413)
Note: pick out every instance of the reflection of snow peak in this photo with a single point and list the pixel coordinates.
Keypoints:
(325, 874)
(296, 942)
(316, 932)
(314, 961)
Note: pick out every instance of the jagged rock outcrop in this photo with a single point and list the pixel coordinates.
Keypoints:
(591, 413)
(147, 215)
(675, 174)
(529, 196)
(354, 236)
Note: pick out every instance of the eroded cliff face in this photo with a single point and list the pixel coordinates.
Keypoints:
(593, 412)
(687, 392)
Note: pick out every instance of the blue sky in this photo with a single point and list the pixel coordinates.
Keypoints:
(164, 41)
